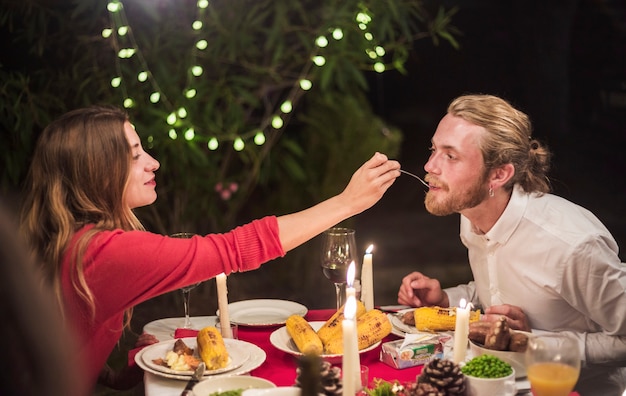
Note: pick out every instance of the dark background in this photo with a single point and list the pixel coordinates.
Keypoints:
(562, 62)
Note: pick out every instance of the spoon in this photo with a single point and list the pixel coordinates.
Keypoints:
(415, 176)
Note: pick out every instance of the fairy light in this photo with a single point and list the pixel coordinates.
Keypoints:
(190, 93)
(190, 134)
(142, 76)
(239, 144)
(259, 138)
(182, 112)
(286, 107)
(122, 30)
(106, 33)
(172, 134)
(319, 60)
(321, 41)
(213, 144)
(337, 34)
(202, 45)
(116, 81)
(277, 122)
(171, 119)
(196, 25)
(306, 84)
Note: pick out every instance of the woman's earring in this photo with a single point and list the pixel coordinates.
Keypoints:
(491, 193)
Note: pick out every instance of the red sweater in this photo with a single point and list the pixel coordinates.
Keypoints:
(125, 268)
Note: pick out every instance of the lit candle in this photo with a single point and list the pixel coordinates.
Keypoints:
(350, 289)
(222, 302)
(461, 331)
(367, 280)
(351, 364)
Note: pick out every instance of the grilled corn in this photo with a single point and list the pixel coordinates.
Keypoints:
(438, 318)
(332, 328)
(372, 327)
(303, 335)
(211, 348)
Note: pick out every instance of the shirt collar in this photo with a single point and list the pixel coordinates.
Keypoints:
(510, 218)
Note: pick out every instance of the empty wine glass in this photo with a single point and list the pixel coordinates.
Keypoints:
(552, 364)
(187, 289)
(338, 251)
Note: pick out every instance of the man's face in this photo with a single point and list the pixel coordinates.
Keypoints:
(455, 169)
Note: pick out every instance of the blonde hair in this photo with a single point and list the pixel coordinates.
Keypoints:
(508, 140)
(78, 176)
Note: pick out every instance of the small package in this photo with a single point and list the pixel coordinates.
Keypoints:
(414, 350)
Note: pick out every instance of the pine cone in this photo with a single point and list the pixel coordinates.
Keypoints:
(330, 379)
(423, 389)
(444, 375)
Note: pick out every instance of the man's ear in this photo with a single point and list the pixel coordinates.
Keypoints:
(501, 175)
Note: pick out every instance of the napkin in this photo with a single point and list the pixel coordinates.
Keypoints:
(183, 333)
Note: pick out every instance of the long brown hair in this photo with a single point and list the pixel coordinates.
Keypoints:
(78, 176)
(508, 140)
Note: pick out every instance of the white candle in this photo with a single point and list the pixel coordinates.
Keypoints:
(461, 331)
(350, 289)
(367, 280)
(222, 302)
(351, 364)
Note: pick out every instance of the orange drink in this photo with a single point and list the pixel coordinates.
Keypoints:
(551, 378)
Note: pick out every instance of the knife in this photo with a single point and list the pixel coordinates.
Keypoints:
(195, 378)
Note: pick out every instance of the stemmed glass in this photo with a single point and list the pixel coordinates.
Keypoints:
(187, 289)
(338, 251)
(552, 364)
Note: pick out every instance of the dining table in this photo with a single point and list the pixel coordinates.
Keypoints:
(279, 367)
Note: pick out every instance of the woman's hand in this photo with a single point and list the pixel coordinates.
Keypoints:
(368, 184)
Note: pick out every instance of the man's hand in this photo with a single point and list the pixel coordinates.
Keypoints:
(515, 317)
(418, 290)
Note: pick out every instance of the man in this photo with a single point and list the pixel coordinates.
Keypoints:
(541, 261)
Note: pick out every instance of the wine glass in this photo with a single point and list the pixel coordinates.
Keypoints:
(552, 364)
(338, 251)
(187, 289)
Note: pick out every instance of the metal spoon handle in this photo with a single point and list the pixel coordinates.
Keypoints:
(415, 176)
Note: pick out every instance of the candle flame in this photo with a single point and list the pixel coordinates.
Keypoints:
(369, 249)
(351, 274)
(349, 311)
(462, 303)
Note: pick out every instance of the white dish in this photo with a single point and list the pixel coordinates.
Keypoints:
(401, 329)
(223, 384)
(281, 339)
(236, 353)
(515, 359)
(263, 312)
(256, 357)
(278, 391)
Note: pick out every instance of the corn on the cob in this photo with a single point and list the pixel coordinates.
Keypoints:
(332, 328)
(211, 348)
(303, 335)
(372, 327)
(438, 318)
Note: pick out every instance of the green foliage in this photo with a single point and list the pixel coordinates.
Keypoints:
(257, 52)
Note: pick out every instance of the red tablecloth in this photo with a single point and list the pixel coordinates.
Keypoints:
(280, 367)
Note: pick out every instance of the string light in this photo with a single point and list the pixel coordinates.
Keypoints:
(122, 30)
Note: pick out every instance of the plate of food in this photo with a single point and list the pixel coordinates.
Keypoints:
(254, 357)
(263, 312)
(281, 340)
(180, 356)
(426, 319)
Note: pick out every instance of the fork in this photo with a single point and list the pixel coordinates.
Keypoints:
(415, 176)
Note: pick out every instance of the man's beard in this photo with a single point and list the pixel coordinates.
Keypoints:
(456, 202)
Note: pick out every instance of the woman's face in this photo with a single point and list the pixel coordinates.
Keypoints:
(140, 190)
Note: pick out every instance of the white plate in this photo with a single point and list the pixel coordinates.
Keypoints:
(263, 312)
(223, 384)
(256, 357)
(237, 356)
(401, 329)
(281, 339)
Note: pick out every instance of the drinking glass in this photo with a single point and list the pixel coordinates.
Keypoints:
(338, 251)
(552, 364)
(187, 289)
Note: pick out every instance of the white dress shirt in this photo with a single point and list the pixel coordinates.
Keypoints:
(560, 264)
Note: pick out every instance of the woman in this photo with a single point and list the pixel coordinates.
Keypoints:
(88, 173)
